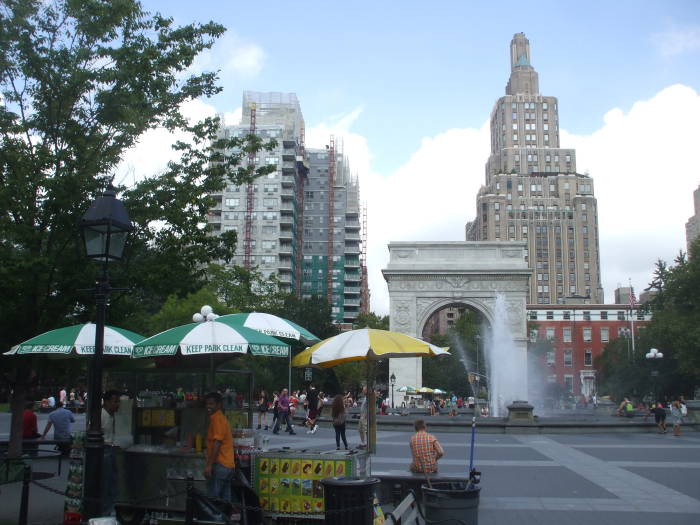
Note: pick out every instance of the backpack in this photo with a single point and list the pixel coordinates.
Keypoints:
(629, 407)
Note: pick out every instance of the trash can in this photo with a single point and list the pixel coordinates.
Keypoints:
(452, 500)
(349, 500)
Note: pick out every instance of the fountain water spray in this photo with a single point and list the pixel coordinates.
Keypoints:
(507, 365)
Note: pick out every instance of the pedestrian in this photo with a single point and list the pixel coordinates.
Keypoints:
(62, 396)
(660, 417)
(110, 406)
(425, 450)
(61, 420)
(29, 428)
(283, 413)
(312, 400)
(339, 416)
(263, 406)
(362, 423)
(52, 402)
(220, 461)
(676, 417)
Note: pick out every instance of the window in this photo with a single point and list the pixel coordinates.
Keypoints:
(603, 316)
(269, 245)
(567, 335)
(232, 203)
(604, 334)
(270, 216)
(533, 336)
(588, 357)
(567, 314)
(620, 315)
(587, 334)
(550, 316)
(568, 358)
(550, 358)
(569, 383)
(269, 203)
(586, 316)
(268, 259)
(550, 333)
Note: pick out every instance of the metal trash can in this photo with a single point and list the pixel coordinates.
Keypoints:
(452, 501)
(349, 500)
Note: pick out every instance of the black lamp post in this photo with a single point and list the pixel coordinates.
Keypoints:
(104, 229)
(392, 382)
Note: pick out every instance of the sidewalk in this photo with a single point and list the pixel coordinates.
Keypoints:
(45, 507)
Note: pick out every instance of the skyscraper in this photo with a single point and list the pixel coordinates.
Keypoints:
(294, 220)
(692, 227)
(533, 192)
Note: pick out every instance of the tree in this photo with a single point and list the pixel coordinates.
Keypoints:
(81, 81)
(371, 320)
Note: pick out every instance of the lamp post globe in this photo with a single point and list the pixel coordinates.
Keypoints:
(652, 355)
(104, 229)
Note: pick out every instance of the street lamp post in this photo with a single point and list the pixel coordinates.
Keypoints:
(392, 382)
(652, 355)
(104, 229)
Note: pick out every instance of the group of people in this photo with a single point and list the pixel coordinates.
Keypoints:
(74, 399)
(677, 408)
(284, 406)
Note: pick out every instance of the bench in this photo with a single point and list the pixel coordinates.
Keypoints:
(405, 513)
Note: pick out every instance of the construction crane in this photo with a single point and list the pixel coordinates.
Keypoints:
(331, 197)
(250, 191)
(364, 284)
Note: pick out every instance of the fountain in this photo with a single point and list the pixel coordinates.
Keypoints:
(506, 367)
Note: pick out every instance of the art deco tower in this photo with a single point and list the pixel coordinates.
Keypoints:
(534, 193)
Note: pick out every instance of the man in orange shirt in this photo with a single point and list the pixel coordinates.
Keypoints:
(219, 463)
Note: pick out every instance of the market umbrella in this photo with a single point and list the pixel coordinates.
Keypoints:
(273, 325)
(407, 389)
(365, 344)
(214, 336)
(425, 390)
(78, 339)
(438, 391)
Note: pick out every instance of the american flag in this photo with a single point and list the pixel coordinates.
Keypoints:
(633, 299)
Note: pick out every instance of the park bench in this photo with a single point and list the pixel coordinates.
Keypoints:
(405, 513)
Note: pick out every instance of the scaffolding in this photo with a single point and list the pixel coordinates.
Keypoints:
(364, 284)
(250, 190)
(331, 197)
(301, 176)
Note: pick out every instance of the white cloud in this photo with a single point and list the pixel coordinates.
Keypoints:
(151, 154)
(644, 172)
(641, 163)
(240, 58)
(677, 40)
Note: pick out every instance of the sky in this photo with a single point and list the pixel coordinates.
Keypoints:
(409, 86)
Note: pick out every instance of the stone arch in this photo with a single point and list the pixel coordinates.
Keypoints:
(423, 277)
(475, 304)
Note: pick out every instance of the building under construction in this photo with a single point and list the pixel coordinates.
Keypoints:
(295, 220)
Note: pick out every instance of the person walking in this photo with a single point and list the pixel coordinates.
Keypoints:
(425, 450)
(339, 417)
(283, 413)
(61, 420)
(659, 417)
(218, 468)
(275, 408)
(29, 428)
(312, 400)
(263, 407)
(676, 417)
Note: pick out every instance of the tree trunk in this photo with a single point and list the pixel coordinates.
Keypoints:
(18, 396)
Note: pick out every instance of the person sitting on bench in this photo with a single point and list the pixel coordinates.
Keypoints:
(425, 449)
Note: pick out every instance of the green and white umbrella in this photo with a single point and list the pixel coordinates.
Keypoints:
(407, 389)
(79, 339)
(438, 391)
(215, 336)
(273, 325)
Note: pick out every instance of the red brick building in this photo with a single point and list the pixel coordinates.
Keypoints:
(578, 333)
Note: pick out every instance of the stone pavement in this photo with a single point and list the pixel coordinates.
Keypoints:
(601, 479)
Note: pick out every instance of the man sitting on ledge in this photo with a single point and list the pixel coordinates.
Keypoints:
(425, 449)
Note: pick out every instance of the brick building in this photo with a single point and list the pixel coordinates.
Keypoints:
(574, 335)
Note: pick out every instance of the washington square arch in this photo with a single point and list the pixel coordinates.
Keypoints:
(425, 277)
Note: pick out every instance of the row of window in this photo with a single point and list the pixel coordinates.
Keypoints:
(568, 356)
(587, 315)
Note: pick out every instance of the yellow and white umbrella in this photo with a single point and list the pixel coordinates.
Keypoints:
(364, 344)
(425, 390)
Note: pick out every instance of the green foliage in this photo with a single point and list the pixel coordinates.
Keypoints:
(372, 320)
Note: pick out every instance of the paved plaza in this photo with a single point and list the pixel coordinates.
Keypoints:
(614, 479)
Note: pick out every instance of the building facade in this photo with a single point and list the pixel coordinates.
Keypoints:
(533, 193)
(692, 227)
(289, 222)
(574, 335)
